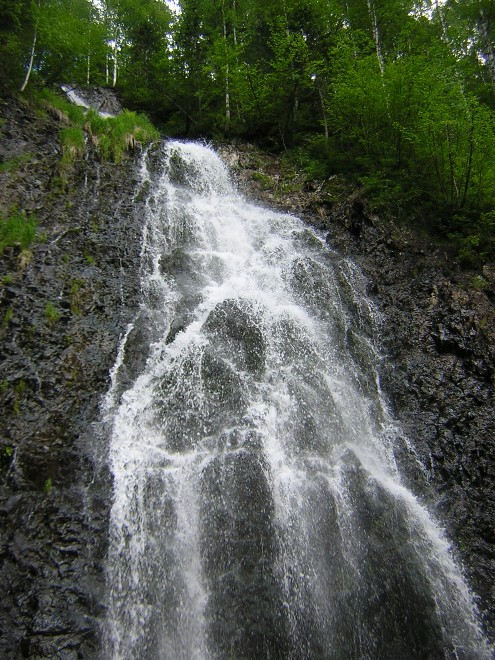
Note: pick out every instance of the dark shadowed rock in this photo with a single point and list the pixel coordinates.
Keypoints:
(438, 336)
(64, 304)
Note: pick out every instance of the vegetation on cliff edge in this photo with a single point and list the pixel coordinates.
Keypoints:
(396, 95)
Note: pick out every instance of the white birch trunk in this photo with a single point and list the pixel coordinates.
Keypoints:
(323, 110)
(376, 35)
(115, 67)
(227, 100)
(31, 60)
(442, 21)
(488, 50)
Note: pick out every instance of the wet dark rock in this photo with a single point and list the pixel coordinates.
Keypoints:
(437, 336)
(237, 541)
(439, 374)
(236, 335)
(54, 492)
(102, 99)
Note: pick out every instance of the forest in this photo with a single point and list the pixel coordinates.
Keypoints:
(397, 96)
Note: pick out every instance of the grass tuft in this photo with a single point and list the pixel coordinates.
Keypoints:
(17, 230)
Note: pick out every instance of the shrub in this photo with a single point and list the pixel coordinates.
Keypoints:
(112, 136)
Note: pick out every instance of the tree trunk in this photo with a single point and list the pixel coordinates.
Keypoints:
(442, 21)
(376, 35)
(114, 80)
(31, 59)
(323, 110)
(488, 50)
(227, 100)
(227, 73)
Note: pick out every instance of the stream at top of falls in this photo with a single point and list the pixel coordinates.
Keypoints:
(258, 511)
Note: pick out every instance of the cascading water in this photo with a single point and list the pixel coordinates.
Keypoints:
(258, 511)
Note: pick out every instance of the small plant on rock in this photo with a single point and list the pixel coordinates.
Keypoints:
(52, 314)
(7, 317)
(72, 139)
(18, 229)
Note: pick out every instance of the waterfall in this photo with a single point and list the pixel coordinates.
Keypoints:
(258, 511)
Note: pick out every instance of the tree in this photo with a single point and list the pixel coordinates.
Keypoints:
(15, 25)
(60, 40)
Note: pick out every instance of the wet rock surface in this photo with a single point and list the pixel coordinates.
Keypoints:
(101, 99)
(64, 303)
(438, 372)
(438, 343)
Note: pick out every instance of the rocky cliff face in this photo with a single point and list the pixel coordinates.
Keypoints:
(438, 371)
(438, 368)
(63, 305)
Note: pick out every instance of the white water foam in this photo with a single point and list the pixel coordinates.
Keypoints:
(252, 323)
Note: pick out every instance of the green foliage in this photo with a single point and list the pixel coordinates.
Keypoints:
(52, 313)
(15, 163)
(19, 391)
(20, 388)
(7, 317)
(474, 238)
(480, 283)
(315, 158)
(396, 95)
(72, 140)
(56, 105)
(17, 230)
(76, 291)
(266, 182)
(115, 136)
(14, 16)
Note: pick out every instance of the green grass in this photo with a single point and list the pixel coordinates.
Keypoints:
(479, 283)
(115, 136)
(58, 106)
(112, 136)
(7, 317)
(18, 229)
(72, 139)
(52, 314)
(13, 164)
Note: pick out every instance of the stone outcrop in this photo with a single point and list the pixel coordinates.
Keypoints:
(64, 302)
(438, 345)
